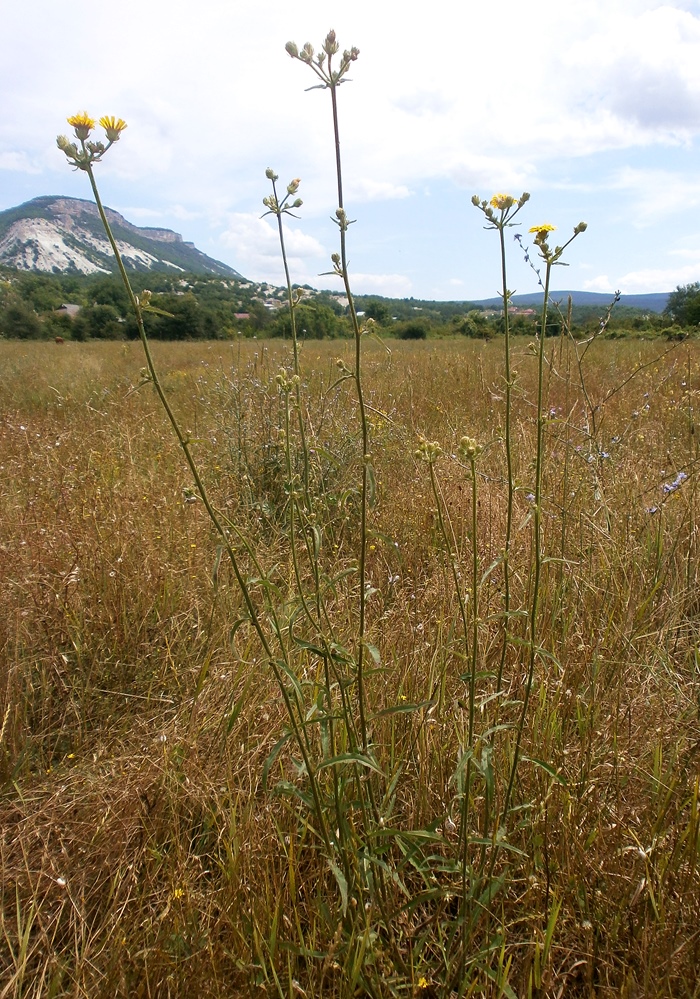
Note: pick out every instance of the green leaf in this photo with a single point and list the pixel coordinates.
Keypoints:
(239, 704)
(316, 649)
(359, 758)
(215, 570)
(374, 652)
(342, 885)
(276, 750)
(547, 767)
(371, 486)
(235, 626)
(400, 709)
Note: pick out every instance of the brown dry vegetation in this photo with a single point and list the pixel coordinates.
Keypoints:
(142, 854)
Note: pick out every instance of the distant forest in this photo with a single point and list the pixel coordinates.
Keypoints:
(34, 306)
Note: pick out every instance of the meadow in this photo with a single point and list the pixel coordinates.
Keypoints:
(519, 818)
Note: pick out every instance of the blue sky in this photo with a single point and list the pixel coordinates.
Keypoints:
(593, 108)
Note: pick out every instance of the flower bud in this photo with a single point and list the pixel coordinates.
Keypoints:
(293, 187)
(330, 45)
(68, 147)
(270, 173)
(292, 50)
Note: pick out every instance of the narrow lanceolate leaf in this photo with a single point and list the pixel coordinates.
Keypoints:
(547, 767)
(276, 750)
(215, 570)
(374, 652)
(239, 704)
(235, 626)
(402, 709)
(359, 758)
(342, 885)
(371, 486)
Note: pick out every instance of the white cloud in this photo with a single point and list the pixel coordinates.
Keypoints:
(18, 160)
(601, 283)
(647, 280)
(138, 213)
(657, 193)
(256, 248)
(390, 285)
(365, 189)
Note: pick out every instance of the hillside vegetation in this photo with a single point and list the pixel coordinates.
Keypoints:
(212, 307)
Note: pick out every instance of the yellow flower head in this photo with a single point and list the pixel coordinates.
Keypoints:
(423, 982)
(82, 123)
(113, 127)
(503, 201)
(542, 230)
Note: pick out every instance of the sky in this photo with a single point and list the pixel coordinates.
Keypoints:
(593, 108)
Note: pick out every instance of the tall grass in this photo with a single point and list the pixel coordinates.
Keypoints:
(290, 707)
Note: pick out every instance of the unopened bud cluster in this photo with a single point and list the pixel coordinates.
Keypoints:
(321, 64)
(428, 451)
(287, 381)
(469, 448)
(272, 202)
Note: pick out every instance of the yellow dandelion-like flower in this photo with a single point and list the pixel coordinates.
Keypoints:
(544, 228)
(423, 982)
(503, 201)
(82, 123)
(113, 127)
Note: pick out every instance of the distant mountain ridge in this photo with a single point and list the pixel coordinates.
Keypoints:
(54, 234)
(652, 302)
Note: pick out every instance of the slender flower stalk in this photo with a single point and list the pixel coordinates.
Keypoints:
(499, 214)
(83, 158)
(330, 79)
(551, 259)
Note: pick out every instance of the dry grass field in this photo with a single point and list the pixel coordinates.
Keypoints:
(153, 844)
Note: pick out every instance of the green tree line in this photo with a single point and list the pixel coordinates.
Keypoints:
(211, 307)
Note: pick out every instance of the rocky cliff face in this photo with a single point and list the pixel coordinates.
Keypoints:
(63, 235)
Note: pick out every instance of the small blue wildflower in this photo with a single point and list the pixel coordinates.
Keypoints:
(670, 487)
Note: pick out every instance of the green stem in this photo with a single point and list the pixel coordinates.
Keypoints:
(214, 518)
(537, 522)
(362, 567)
(509, 464)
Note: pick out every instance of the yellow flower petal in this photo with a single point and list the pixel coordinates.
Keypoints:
(503, 201)
(82, 123)
(81, 120)
(113, 126)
